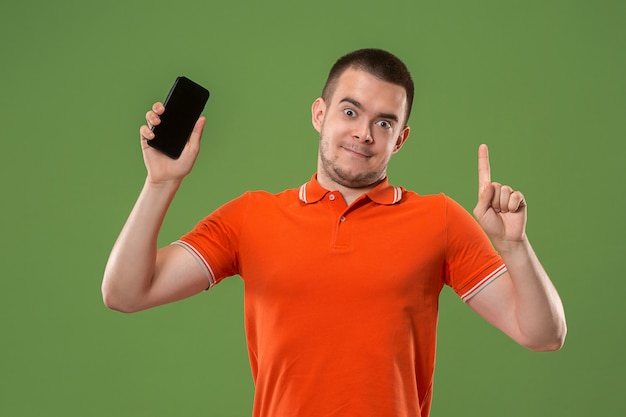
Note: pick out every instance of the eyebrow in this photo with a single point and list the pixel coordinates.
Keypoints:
(359, 106)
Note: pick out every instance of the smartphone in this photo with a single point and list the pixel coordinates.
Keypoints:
(183, 106)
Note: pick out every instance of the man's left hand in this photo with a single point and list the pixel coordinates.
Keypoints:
(500, 210)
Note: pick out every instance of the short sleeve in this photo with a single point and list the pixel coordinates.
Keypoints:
(471, 260)
(214, 241)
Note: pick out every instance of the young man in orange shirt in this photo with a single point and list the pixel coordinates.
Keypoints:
(342, 275)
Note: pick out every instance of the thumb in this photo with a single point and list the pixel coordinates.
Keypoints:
(485, 195)
(199, 127)
(196, 134)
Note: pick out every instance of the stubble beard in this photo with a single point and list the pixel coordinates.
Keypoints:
(343, 177)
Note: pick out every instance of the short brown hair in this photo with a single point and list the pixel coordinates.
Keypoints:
(377, 62)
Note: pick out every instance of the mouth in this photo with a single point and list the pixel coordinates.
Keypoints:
(356, 152)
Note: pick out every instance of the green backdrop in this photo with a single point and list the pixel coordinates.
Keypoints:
(542, 82)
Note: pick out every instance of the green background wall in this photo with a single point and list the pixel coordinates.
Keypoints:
(542, 82)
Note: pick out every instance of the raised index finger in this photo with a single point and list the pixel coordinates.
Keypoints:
(484, 172)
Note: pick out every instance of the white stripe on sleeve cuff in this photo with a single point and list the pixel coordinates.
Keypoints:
(483, 283)
(196, 254)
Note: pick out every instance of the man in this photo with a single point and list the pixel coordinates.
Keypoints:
(342, 275)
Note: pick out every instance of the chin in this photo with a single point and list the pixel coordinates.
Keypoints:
(358, 180)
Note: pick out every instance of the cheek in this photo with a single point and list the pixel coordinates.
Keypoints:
(329, 134)
(386, 146)
(335, 125)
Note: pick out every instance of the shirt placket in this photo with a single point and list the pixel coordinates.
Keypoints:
(342, 232)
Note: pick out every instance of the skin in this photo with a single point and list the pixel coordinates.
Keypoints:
(139, 276)
(360, 129)
(359, 132)
(523, 302)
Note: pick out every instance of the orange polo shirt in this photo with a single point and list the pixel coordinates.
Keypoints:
(341, 301)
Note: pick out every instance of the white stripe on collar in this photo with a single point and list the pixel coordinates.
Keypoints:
(302, 193)
(397, 194)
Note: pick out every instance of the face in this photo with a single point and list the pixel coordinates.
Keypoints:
(360, 127)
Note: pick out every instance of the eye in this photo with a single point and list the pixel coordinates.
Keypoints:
(385, 124)
(349, 112)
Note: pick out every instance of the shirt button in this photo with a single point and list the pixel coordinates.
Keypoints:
(332, 197)
(343, 218)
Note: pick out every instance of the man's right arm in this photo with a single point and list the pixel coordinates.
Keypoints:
(138, 275)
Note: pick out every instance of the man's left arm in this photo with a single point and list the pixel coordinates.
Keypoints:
(523, 302)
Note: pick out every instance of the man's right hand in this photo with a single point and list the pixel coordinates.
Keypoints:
(161, 168)
(138, 275)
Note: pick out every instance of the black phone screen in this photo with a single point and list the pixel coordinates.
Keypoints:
(183, 106)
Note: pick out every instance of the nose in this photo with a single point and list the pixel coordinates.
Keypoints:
(363, 133)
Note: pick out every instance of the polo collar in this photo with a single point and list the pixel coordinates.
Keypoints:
(383, 193)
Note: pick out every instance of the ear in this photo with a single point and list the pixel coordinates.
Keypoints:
(402, 137)
(318, 110)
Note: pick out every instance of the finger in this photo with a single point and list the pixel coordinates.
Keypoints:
(146, 133)
(158, 108)
(495, 200)
(484, 170)
(505, 197)
(196, 134)
(516, 202)
(152, 118)
(484, 200)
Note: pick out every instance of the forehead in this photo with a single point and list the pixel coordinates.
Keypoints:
(374, 93)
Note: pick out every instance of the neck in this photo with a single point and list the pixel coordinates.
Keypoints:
(349, 194)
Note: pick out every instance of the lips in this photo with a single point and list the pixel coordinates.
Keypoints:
(357, 152)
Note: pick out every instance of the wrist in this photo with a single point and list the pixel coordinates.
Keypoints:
(171, 185)
(504, 246)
